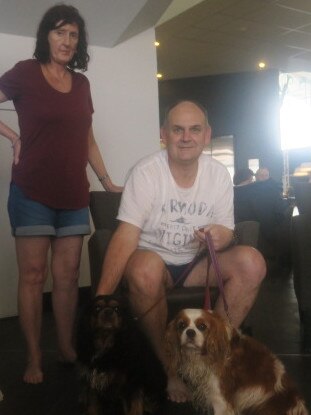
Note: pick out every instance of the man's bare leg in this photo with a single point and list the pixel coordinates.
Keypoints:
(242, 269)
(147, 278)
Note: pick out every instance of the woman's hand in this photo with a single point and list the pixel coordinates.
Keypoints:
(108, 185)
(221, 236)
(114, 188)
(16, 145)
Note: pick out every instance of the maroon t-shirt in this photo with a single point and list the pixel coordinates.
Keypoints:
(54, 130)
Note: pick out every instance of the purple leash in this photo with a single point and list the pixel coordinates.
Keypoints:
(213, 260)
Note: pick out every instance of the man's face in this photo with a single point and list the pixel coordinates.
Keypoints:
(186, 133)
(262, 175)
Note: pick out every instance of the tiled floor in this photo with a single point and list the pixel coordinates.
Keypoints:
(274, 321)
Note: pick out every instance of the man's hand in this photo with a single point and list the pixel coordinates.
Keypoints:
(221, 236)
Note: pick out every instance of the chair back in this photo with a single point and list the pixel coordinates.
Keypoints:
(303, 197)
(104, 208)
(247, 233)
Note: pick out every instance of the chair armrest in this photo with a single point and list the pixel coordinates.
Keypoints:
(247, 233)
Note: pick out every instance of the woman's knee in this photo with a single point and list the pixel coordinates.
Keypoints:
(65, 269)
(33, 274)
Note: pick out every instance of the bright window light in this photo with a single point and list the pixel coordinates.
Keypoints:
(295, 126)
(253, 164)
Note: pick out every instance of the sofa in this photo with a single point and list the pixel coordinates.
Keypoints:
(104, 208)
(301, 260)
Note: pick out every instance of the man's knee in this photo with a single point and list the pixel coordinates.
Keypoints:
(145, 272)
(251, 264)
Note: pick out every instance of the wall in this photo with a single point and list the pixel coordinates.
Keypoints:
(245, 105)
(126, 125)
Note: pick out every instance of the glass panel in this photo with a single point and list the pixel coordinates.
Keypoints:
(222, 149)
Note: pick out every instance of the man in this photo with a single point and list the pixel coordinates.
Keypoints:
(168, 197)
(262, 174)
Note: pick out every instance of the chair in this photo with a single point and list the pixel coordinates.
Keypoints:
(301, 259)
(104, 208)
(302, 193)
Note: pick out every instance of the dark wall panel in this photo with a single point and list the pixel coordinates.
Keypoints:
(244, 104)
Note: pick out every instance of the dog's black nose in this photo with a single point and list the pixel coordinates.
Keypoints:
(190, 333)
(108, 311)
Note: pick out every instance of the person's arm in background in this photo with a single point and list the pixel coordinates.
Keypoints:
(97, 163)
(11, 135)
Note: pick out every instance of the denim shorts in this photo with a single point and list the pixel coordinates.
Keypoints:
(31, 218)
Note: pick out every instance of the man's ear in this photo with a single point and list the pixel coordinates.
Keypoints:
(208, 135)
(163, 133)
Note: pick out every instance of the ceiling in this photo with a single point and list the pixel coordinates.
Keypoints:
(205, 36)
(109, 22)
(221, 36)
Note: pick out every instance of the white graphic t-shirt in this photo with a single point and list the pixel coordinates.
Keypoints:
(168, 214)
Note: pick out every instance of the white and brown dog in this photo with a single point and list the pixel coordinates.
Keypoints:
(228, 371)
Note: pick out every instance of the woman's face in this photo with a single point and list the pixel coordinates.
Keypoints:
(63, 43)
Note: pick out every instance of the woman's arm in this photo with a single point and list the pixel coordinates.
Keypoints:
(11, 135)
(97, 163)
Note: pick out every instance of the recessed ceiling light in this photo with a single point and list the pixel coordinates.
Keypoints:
(261, 65)
(159, 75)
(156, 43)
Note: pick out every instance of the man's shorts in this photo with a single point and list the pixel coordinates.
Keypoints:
(178, 273)
(31, 218)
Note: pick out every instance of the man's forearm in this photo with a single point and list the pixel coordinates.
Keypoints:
(122, 245)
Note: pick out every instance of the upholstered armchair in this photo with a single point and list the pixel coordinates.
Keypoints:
(104, 208)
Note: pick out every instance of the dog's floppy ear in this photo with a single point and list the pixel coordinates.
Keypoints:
(172, 347)
(217, 341)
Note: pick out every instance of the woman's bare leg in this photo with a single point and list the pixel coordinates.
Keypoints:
(32, 262)
(66, 254)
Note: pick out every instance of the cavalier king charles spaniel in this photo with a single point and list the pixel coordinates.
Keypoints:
(226, 370)
(119, 371)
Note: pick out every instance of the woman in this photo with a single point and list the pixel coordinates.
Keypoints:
(48, 201)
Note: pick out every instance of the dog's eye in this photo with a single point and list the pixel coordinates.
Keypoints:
(201, 326)
(116, 309)
(98, 308)
(181, 325)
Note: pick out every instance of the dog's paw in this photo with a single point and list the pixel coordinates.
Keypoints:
(177, 391)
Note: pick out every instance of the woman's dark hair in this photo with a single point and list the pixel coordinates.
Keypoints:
(242, 175)
(57, 16)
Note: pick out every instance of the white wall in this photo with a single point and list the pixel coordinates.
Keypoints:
(125, 98)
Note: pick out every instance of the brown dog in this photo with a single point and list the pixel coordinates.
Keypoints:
(228, 371)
